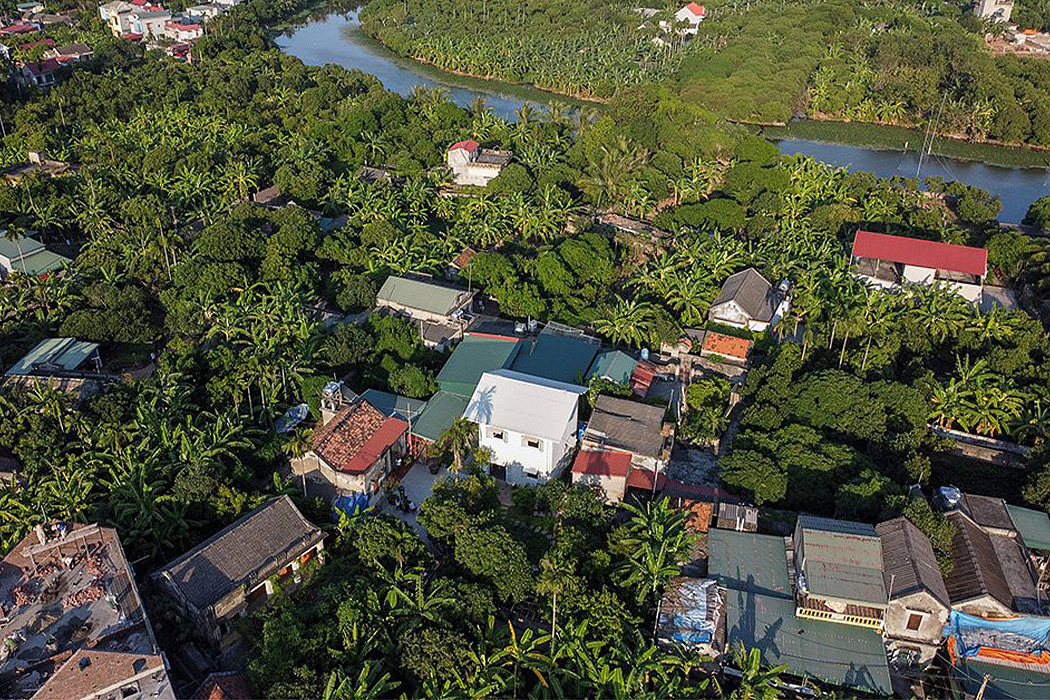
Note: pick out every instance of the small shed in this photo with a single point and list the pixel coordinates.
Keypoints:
(732, 516)
(691, 616)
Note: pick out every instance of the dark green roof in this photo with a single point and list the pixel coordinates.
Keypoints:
(749, 561)
(1033, 525)
(615, 365)
(1006, 682)
(842, 655)
(438, 415)
(473, 357)
(563, 358)
(393, 405)
(58, 354)
(425, 296)
(842, 560)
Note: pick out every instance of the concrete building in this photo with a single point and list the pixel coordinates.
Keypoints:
(473, 165)
(441, 313)
(889, 261)
(233, 572)
(994, 10)
(748, 300)
(692, 15)
(918, 599)
(528, 423)
(73, 623)
(634, 428)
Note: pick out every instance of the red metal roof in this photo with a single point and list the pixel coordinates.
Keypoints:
(465, 145)
(697, 10)
(19, 29)
(381, 441)
(602, 463)
(914, 251)
(642, 378)
(643, 479)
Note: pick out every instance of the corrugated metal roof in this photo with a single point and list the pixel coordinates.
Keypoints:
(843, 655)
(627, 425)
(473, 357)
(431, 298)
(555, 356)
(392, 405)
(533, 406)
(842, 559)
(614, 365)
(749, 561)
(440, 412)
(1033, 526)
(9, 249)
(921, 253)
(64, 354)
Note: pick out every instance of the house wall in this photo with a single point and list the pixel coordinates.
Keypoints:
(613, 487)
(415, 314)
(984, 606)
(513, 453)
(730, 314)
(367, 482)
(476, 175)
(927, 639)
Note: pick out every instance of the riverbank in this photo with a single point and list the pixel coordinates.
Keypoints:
(896, 138)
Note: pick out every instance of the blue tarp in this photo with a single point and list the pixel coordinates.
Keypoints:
(1024, 634)
(351, 505)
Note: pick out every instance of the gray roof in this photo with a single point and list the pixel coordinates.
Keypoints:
(627, 425)
(425, 296)
(842, 560)
(986, 511)
(975, 565)
(243, 553)
(910, 565)
(1019, 577)
(54, 354)
(751, 292)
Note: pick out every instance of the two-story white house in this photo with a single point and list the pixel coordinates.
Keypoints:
(890, 261)
(528, 424)
(692, 14)
(473, 165)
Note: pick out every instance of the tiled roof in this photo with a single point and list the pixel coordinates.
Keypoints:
(464, 258)
(602, 463)
(921, 253)
(697, 10)
(727, 345)
(243, 553)
(986, 511)
(356, 437)
(751, 292)
(88, 672)
(627, 425)
(465, 145)
(976, 570)
(910, 566)
(227, 685)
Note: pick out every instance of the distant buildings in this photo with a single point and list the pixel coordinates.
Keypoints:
(994, 10)
(473, 165)
(692, 15)
(73, 624)
(28, 256)
(233, 572)
(139, 20)
(889, 261)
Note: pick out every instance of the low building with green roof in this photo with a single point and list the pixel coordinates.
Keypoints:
(473, 357)
(28, 256)
(55, 355)
(556, 356)
(613, 365)
(1032, 525)
(440, 412)
(423, 301)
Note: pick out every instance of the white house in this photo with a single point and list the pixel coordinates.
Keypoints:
(528, 424)
(748, 300)
(473, 165)
(995, 10)
(891, 261)
(692, 14)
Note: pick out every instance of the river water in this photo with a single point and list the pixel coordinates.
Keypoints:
(339, 39)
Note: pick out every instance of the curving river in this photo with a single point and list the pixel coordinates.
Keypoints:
(339, 39)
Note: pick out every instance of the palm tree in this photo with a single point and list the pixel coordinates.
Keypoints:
(459, 439)
(658, 543)
(368, 685)
(629, 321)
(756, 682)
(556, 574)
(15, 236)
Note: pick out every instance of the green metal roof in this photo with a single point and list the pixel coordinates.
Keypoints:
(842, 560)
(563, 358)
(9, 249)
(56, 354)
(614, 365)
(438, 415)
(473, 357)
(40, 262)
(1033, 525)
(1005, 682)
(393, 405)
(432, 298)
(749, 561)
(842, 655)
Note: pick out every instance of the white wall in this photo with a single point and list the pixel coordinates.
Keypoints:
(514, 453)
(612, 487)
(729, 313)
(928, 637)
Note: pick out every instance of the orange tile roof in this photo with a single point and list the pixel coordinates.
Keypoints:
(356, 437)
(229, 685)
(727, 345)
(602, 463)
(90, 672)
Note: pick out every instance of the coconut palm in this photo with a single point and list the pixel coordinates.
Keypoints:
(458, 440)
(628, 321)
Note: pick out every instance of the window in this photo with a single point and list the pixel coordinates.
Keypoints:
(532, 474)
(914, 621)
(498, 435)
(534, 444)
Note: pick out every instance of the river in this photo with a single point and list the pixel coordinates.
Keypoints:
(339, 39)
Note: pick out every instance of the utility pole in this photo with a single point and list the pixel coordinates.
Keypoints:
(984, 685)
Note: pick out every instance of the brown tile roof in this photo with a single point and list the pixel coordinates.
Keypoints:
(343, 437)
(909, 564)
(727, 345)
(89, 672)
(244, 553)
(986, 511)
(228, 685)
(975, 565)
(697, 514)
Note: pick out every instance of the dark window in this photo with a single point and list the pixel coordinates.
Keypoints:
(914, 621)
(535, 444)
